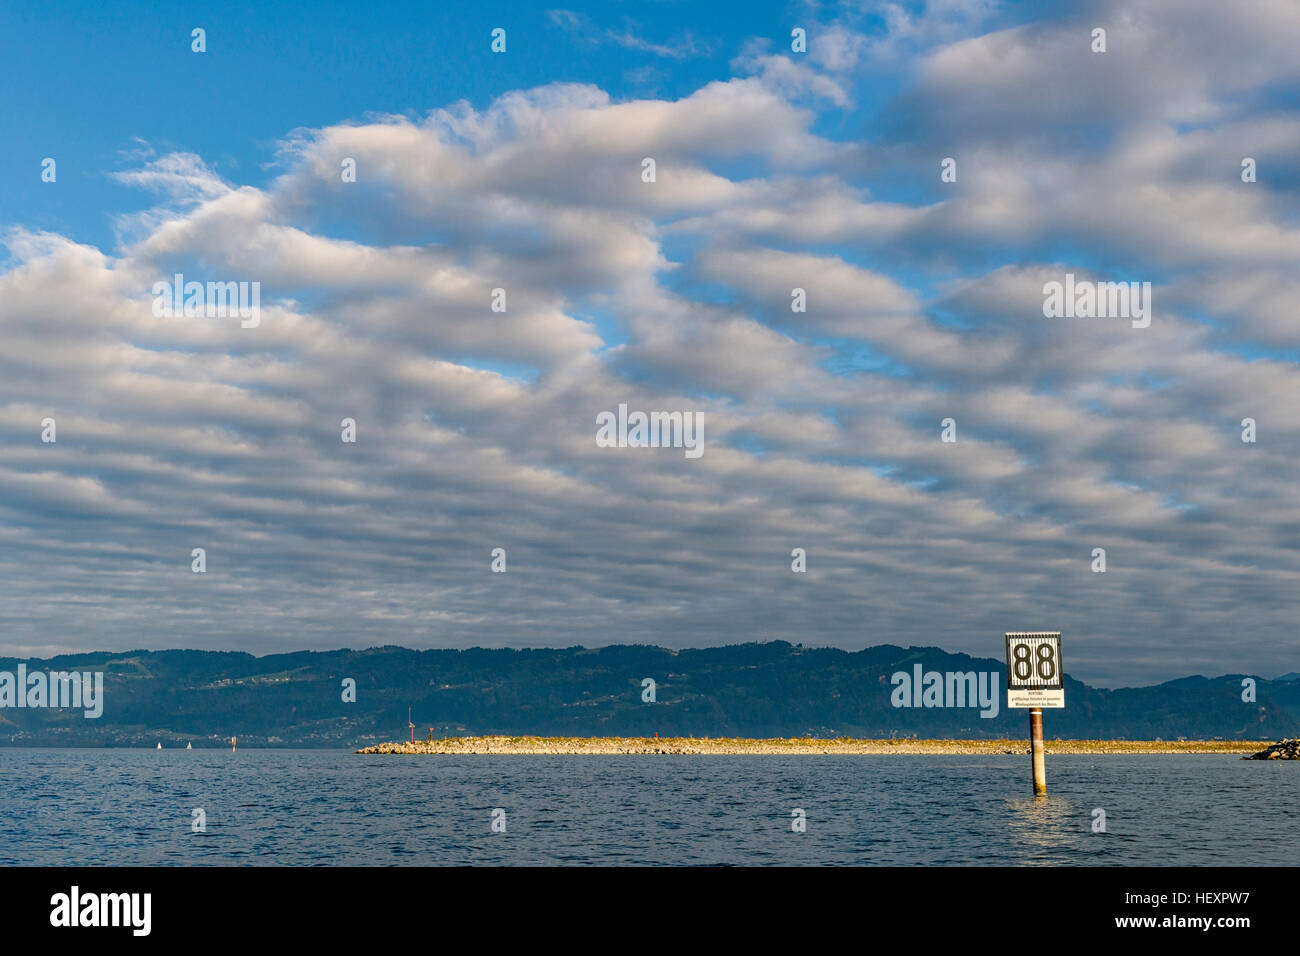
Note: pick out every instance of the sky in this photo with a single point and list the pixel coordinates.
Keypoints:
(775, 169)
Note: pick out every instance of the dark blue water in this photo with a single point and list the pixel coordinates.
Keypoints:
(118, 807)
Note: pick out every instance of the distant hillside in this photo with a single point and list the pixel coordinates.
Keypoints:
(761, 690)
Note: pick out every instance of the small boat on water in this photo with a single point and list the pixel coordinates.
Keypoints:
(160, 745)
(189, 746)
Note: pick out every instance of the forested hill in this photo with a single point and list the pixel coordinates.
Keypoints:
(752, 690)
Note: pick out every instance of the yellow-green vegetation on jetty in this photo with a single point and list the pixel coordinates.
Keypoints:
(797, 745)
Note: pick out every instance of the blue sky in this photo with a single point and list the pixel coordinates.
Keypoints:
(776, 170)
(85, 81)
(88, 84)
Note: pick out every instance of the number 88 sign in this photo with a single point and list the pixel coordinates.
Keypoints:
(1034, 674)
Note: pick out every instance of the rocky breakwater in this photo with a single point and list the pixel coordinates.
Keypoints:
(797, 745)
(1282, 750)
(681, 745)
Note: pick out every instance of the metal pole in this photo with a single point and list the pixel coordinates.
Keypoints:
(1036, 749)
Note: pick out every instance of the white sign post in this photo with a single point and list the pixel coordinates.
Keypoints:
(1034, 675)
(1035, 679)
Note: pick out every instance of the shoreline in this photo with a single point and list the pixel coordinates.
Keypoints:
(798, 745)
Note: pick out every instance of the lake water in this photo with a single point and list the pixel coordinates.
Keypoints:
(119, 807)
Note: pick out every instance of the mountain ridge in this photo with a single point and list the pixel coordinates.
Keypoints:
(770, 689)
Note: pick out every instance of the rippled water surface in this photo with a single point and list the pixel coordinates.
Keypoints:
(63, 807)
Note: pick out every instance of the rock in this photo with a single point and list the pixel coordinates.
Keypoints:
(1283, 750)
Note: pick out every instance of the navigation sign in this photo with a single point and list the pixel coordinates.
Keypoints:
(1034, 674)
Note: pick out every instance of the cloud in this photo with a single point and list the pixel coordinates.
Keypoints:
(822, 428)
(684, 46)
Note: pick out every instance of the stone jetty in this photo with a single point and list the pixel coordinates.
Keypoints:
(796, 745)
(1282, 750)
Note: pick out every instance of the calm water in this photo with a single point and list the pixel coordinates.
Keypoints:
(317, 808)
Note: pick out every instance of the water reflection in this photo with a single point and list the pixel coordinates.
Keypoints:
(1042, 826)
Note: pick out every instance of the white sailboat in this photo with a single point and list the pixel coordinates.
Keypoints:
(160, 745)
(189, 746)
